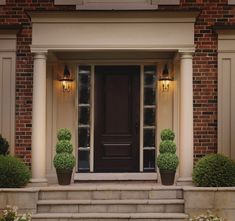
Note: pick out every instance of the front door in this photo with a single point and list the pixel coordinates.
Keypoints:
(117, 118)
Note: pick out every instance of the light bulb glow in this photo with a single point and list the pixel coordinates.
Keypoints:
(165, 85)
(66, 86)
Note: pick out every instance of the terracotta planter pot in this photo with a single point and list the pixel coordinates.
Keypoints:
(167, 177)
(64, 176)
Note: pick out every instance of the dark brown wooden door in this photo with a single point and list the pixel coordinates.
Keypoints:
(117, 118)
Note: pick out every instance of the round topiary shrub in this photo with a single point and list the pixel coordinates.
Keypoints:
(214, 170)
(167, 134)
(64, 161)
(64, 146)
(64, 134)
(4, 146)
(167, 146)
(13, 172)
(167, 161)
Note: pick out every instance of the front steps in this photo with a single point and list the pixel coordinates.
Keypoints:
(112, 202)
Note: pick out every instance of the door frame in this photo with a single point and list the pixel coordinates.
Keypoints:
(134, 176)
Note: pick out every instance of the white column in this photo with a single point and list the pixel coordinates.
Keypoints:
(39, 120)
(186, 118)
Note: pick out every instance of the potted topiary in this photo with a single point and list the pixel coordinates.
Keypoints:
(64, 160)
(167, 161)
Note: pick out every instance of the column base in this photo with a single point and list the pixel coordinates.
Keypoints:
(38, 183)
(185, 181)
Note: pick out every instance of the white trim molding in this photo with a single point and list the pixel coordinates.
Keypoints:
(116, 4)
(226, 91)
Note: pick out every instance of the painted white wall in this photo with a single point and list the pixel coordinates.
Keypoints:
(165, 114)
(61, 113)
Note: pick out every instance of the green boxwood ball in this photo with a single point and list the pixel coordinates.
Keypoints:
(167, 146)
(13, 172)
(167, 161)
(64, 134)
(167, 134)
(64, 146)
(64, 161)
(214, 170)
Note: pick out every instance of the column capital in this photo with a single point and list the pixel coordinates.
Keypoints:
(186, 54)
(40, 55)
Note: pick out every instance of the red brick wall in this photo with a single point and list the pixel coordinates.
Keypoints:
(204, 68)
(15, 12)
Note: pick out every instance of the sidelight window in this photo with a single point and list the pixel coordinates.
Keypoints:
(149, 118)
(84, 121)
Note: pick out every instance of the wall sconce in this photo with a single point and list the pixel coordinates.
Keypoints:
(165, 79)
(66, 79)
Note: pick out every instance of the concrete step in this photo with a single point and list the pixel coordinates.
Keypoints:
(111, 192)
(110, 217)
(111, 206)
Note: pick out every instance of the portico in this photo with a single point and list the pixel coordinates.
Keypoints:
(124, 38)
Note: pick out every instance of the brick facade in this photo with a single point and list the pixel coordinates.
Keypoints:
(204, 67)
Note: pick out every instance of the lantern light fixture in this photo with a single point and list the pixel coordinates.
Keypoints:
(165, 79)
(66, 79)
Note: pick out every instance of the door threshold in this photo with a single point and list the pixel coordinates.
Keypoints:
(115, 176)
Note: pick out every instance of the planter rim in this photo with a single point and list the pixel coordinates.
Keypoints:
(64, 170)
(167, 171)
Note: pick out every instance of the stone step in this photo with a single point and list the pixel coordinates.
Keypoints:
(110, 192)
(110, 217)
(111, 206)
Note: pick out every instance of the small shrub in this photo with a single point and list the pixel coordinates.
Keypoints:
(214, 170)
(167, 161)
(64, 134)
(64, 161)
(4, 146)
(64, 146)
(167, 134)
(209, 216)
(10, 213)
(13, 172)
(167, 146)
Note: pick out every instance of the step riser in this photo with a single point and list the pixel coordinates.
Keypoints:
(110, 195)
(140, 208)
(111, 203)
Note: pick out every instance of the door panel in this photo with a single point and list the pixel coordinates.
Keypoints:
(117, 118)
